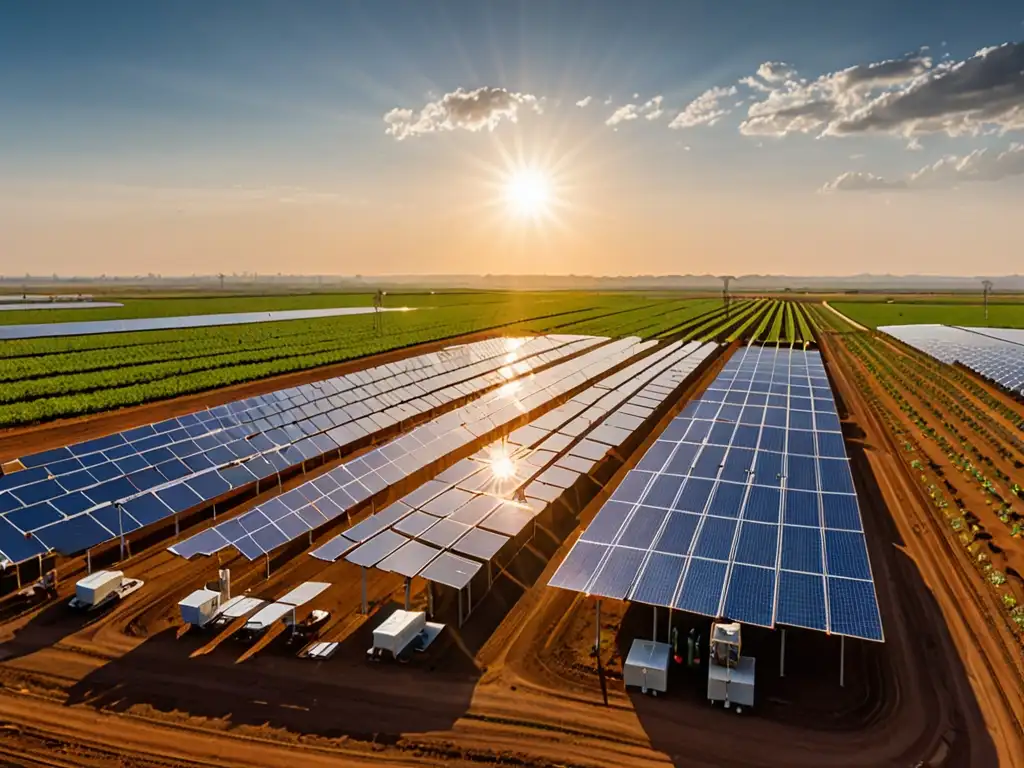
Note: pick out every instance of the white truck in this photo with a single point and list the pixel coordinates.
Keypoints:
(102, 588)
(396, 633)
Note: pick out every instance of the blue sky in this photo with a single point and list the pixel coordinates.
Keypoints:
(172, 137)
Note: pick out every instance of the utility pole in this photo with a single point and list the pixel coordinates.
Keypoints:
(726, 279)
(986, 286)
(378, 315)
(221, 278)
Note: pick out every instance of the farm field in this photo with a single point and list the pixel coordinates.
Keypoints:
(517, 684)
(45, 379)
(874, 314)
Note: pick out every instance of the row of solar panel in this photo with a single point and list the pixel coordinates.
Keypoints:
(257, 533)
(159, 481)
(286, 407)
(466, 510)
(995, 353)
(684, 535)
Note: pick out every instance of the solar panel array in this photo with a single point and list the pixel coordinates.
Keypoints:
(312, 504)
(995, 353)
(445, 529)
(72, 498)
(90, 327)
(743, 508)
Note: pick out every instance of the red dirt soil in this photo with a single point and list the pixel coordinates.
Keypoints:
(516, 685)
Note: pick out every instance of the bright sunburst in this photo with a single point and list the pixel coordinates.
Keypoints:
(528, 192)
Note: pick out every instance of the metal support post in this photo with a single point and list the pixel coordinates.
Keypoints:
(17, 572)
(268, 564)
(597, 628)
(88, 561)
(459, 595)
(408, 593)
(668, 631)
(120, 528)
(215, 506)
(311, 537)
(842, 661)
(654, 629)
(177, 528)
(490, 577)
(363, 573)
(782, 656)
(430, 600)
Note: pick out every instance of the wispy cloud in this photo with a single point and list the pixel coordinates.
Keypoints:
(476, 110)
(584, 101)
(706, 109)
(951, 171)
(650, 109)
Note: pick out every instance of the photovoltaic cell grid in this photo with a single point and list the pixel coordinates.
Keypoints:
(312, 504)
(68, 498)
(743, 508)
(469, 509)
(995, 353)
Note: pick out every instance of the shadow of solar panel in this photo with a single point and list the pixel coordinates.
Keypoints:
(616, 575)
(847, 555)
(643, 527)
(853, 609)
(751, 595)
(658, 579)
(757, 544)
(715, 538)
(701, 591)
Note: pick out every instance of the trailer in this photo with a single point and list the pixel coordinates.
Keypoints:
(646, 666)
(396, 633)
(102, 588)
(200, 608)
(205, 605)
(283, 609)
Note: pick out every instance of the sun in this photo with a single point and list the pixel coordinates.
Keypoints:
(528, 192)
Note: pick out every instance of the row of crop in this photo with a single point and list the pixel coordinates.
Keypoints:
(62, 396)
(638, 320)
(714, 325)
(755, 319)
(886, 376)
(965, 525)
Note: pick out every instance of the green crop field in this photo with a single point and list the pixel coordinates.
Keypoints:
(50, 378)
(874, 314)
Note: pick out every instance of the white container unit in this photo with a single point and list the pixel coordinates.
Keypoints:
(97, 587)
(396, 632)
(646, 666)
(199, 608)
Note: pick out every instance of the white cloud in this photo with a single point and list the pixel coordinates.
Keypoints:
(914, 145)
(798, 106)
(650, 109)
(608, 101)
(473, 110)
(584, 101)
(984, 93)
(706, 109)
(950, 171)
(775, 72)
(623, 114)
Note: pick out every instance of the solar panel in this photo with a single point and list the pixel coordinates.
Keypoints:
(299, 423)
(744, 507)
